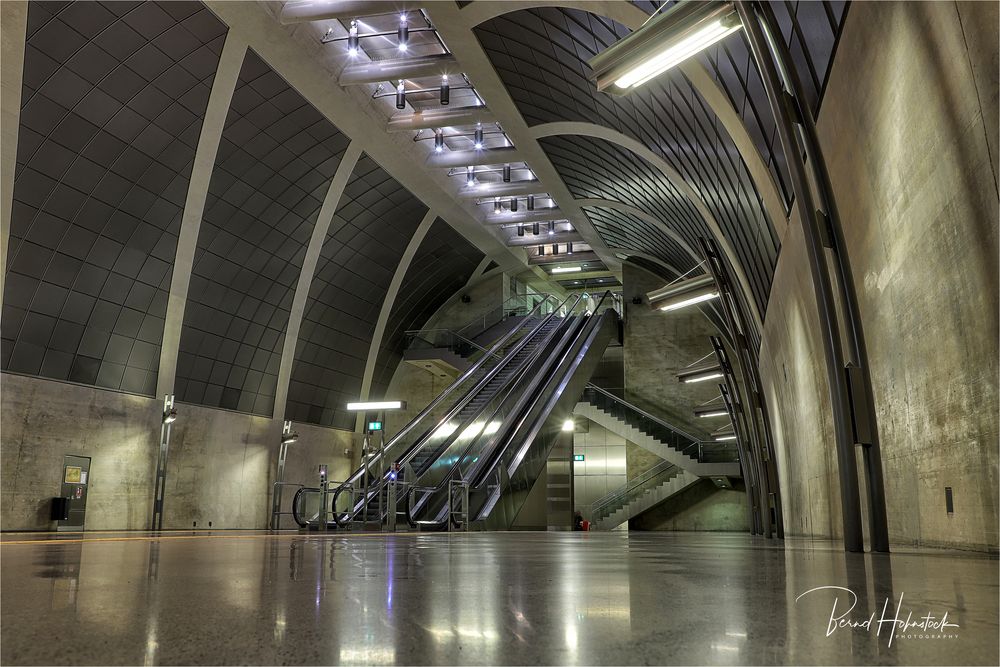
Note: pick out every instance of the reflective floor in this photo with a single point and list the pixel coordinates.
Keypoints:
(487, 598)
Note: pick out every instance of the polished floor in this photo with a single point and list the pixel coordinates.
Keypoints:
(486, 598)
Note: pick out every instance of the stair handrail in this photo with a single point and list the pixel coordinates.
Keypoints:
(631, 486)
(415, 333)
(643, 413)
(503, 309)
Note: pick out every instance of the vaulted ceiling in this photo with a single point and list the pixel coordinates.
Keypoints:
(314, 214)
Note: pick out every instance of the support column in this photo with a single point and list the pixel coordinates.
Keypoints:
(230, 63)
(390, 299)
(322, 227)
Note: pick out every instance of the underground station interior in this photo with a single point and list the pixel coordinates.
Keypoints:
(480, 332)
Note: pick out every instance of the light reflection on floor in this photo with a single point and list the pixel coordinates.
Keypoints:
(482, 598)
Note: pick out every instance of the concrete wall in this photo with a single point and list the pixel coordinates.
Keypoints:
(909, 128)
(700, 507)
(603, 467)
(220, 467)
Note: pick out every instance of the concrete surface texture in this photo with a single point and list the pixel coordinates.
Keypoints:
(656, 346)
(700, 507)
(603, 467)
(482, 598)
(909, 128)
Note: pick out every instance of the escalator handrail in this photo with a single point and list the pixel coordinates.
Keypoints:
(470, 394)
(590, 333)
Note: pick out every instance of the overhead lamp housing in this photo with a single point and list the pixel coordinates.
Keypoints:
(566, 269)
(708, 411)
(170, 416)
(289, 438)
(684, 293)
(400, 95)
(403, 33)
(506, 173)
(700, 373)
(438, 141)
(353, 41)
(665, 41)
(445, 91)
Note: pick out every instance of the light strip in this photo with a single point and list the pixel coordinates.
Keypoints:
(676, 53)
(720, 413)
(701, 378)
(722, 438)
(690, 302)
(377, 405)
(566, 269)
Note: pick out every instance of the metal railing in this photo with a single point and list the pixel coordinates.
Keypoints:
(518, 305)
(659, 474)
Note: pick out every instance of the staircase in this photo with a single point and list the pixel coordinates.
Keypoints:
(637, 496)
(656, 436)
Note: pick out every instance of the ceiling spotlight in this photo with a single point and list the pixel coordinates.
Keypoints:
(569, 426)
(700, 373)
(438, 141)
(403, 33)
(569, 248)
(170, 416)
(534, 229)
(352, 39)
(445, 90)
(541, 251)
(555, 250)
(684, 293)
(552, 228)
(497, 206)
(506, 173)
(478, 137)
(520, 229)
(400, 95)
(470, 176)
(513, 204)
(531, 203)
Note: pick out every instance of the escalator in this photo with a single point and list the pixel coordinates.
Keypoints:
(506, 448)
(419, 445)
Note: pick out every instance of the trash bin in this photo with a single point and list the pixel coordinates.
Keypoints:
(60, 509)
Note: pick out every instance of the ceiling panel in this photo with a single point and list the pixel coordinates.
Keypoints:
(373, 225)
(113, 100)
(441, 266)
(272, 172)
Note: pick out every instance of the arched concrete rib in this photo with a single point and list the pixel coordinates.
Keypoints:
(615, 137)
(632, 17)
(643, 215)
(13, 33)
(656, 260)
(387, 303)
(308, 271)
(223, 86)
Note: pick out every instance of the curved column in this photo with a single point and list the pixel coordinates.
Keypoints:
(643, 215)
(615, 137)
(230, 63)
(13, 32)
(387, 303)
(632, 17)
(308, 271)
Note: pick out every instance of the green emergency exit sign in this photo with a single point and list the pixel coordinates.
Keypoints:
(374, 426)
(578, 457)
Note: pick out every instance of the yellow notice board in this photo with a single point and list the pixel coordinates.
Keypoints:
(72, 475)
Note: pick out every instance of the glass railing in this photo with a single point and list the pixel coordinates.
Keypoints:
(607, 505)
(519, 305)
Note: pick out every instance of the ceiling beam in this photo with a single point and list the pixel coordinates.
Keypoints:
(538, 215)
(395, 69)
(302, 11)
(480, 158)
(544, 239)
(512, 189)
(430, 119)
(564, 258)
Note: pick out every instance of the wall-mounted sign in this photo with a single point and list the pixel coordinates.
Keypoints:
(72, 475)
(578, 457)
(374, 426)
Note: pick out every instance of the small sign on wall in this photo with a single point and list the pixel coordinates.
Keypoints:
(72, 475)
